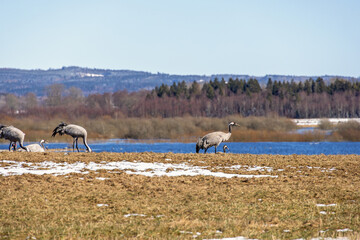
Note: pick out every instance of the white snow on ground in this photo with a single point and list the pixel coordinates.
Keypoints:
(344, 230)
(134, 215)
(90, 75)
(140, 168)
(102, 205)
(326, 205)
(316, 121)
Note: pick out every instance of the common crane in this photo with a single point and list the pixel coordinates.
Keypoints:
(73, 130)
(14, 135)
(36, 147)
(225, 148)
(213, 139)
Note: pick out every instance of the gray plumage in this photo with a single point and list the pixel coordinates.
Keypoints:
(36, 147)
(14, 135)
(74, 131)
(213, 139)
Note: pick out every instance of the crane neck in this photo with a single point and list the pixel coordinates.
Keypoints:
(230, 128)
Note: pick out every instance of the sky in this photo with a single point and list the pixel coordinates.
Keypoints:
(257, 37)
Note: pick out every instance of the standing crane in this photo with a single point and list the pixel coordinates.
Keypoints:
(73, 130)
(214, 139)
(14, 135)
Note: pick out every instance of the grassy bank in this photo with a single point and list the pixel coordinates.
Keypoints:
(185, 129)
(310, 196)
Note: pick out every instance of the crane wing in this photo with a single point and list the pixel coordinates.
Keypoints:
(214, 138)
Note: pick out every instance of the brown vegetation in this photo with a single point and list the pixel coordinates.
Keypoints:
(178, 129)
(285, 207)
(186, 129)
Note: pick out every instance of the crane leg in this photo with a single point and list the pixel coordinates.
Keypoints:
(10, 146)
(205, 150)
(77, 145)
(74, 144)
(22, 146)
(215, 149)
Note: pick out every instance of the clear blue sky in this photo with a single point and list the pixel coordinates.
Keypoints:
(256, 37)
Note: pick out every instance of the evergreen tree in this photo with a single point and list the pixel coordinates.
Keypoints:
(320, 85)
(276, 88)
(208, 90)
(163, 90)
(253, 86)
(269, 85)
(307, 86)
(194, 89)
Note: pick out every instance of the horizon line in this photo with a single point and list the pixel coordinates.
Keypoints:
(209, 75)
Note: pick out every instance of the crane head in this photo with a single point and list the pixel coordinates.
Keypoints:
(199, 144)
(233, 124)
(62, 124)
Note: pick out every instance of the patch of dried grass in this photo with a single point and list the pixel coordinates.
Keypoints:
(172, 207)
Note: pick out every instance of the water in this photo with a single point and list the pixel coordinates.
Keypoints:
(283, 148)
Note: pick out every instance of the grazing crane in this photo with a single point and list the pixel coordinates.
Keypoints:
(36, 147)
(14, 135)
(73, 130)
(213, 139)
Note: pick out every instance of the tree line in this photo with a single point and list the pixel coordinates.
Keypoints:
(216, 98)
(239, 86)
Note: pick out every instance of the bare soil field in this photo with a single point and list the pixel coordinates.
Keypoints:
(61, 195)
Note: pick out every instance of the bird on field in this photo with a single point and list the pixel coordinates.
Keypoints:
(74, 131)
(14, 135)
(225, 148)
(214, 139)
(36, 147)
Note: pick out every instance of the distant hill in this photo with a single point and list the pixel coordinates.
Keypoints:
(20, 81)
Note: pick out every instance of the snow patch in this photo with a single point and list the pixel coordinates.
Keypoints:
(317, 121)
(326, 205)
(134, 215)
(138, 168)
(102, 205)
(90, 75)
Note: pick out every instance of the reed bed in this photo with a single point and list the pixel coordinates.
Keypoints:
(185, 129)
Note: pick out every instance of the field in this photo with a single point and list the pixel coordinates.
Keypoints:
(178, 196)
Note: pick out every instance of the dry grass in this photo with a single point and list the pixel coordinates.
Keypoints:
(186, 129)
(349, 131)
(65, 207)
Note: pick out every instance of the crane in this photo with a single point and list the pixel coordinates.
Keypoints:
(214, 139)
(74, 131)
(36, 147)
(14, 135)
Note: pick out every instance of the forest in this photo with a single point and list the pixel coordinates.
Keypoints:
(216, 98)
(183, 111)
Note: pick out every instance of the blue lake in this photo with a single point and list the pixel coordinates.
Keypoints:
(283, 148)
